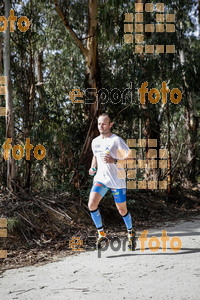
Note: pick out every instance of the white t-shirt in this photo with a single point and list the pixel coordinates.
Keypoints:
(107, 173)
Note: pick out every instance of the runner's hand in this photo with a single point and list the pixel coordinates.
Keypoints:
(108, 159)
(92, 172)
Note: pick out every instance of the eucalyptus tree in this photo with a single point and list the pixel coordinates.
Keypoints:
(9, 101)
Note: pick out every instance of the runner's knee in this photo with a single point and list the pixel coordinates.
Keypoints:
(122, 211)
(92, 205)
(93, 202)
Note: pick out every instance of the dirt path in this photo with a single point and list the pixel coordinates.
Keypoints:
(116, 274)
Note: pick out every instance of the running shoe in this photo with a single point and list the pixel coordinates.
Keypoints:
(132, 240)
(102, 240)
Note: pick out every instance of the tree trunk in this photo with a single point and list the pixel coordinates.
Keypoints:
(1, 60)
(9, 103)
(92, 76)
(40, 76)
(152, 131)
(191, 125)
(169, 175)
(29, 111)
(199, 17)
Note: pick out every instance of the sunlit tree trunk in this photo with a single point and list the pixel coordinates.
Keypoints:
(9, 102)
(92, 73)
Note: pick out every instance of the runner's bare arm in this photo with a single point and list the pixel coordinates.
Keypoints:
(94, 162)
(111, 160)
(93, 165)
(130, 156)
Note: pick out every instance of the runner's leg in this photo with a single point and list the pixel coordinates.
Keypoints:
(97, 192)
(93, 203)
(120, 201)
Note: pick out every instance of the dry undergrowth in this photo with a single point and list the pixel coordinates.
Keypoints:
(40, 227)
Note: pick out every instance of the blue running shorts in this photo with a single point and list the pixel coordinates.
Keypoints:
(118, 194)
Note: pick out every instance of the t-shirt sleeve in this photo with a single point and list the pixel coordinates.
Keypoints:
(121, 145)
(92, 146)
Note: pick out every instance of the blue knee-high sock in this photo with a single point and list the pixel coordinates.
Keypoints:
(96, 217)
(128, 221)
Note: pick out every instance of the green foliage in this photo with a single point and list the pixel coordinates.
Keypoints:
(13, 223)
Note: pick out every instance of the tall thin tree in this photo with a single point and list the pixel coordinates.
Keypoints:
(9, 102)
(90, 52)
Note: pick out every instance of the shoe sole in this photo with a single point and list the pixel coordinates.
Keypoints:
(134, 244)
(102, 243)
(132, 247)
